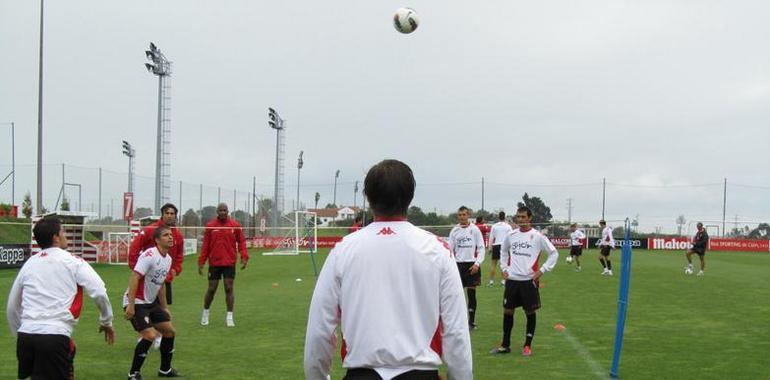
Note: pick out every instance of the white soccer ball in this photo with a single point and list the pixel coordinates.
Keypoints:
(569, 259)
(405, 20)
(688, 271)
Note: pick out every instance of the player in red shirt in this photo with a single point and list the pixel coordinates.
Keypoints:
(356, 224)
(484, 229)
(222, 240)
(145, 241)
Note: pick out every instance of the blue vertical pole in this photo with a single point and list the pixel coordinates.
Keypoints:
(312, 256)
(625, 277)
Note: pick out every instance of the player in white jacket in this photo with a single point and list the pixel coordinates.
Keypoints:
(519, 263)
(394, 290)
(605, 247)
(45, 302)
(467, 245)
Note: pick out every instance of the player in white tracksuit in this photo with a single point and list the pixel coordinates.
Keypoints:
(395, 292)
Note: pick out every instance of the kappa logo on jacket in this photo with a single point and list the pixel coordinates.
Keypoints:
(386, 231)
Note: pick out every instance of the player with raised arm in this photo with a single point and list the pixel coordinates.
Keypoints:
(576, 238)
(497, 234)
(45, 302)
(699, 244)
(394, 291)
(145, 304)
(519, 263)
(605, 247)
(467, 245)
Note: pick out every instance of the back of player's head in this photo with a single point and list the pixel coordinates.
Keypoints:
(479, 219)
(158, 232)
(524, 209)
(462, 208)
(168, 206)
(501, 215)
(389, 187)
(573, 225)
(358, 219)
(602, 223)
(45, 230)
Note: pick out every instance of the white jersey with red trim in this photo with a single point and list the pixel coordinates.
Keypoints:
(576, 238)
(47, 295)
(397, 294)
(467, 244)
(607, 239)
(520, 252)
(499, 231)
(153, 266)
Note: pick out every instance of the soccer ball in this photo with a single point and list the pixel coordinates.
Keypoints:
(569, 259)
(688, 271)
(405, 20)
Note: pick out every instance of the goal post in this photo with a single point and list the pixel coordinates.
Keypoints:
(301, 238)
(118, 246)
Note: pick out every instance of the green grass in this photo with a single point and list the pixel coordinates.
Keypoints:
(678, 326)
(14, 231)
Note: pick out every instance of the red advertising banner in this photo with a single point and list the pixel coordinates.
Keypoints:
(275, 242)
(715, 244)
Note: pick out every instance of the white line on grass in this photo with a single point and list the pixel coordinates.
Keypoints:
(597, 369)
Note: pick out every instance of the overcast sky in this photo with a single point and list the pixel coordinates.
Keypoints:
(665, 99)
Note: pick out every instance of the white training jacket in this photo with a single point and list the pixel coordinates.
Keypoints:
(575, 237)
(520, 252)
(499, 231)
(396, 292)
(47, 296)
(467, 244)
(607, 239)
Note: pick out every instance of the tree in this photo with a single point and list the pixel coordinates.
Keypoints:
(240, 216)
(541, 214)
(415, 216)
(65, 204)
(761, 232)
(331, 205)
(317, 198)
(208, 213)
(26, 206)
(190, 218)
(141, 212)
(680, 221)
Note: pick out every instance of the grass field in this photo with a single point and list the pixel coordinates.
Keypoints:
(678, 327)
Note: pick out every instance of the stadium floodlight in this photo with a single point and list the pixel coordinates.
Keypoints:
(129, 151)
(300, 164)
(276, 122)
(161, 67)
(336, 175)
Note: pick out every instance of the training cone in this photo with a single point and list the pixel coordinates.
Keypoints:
(275, 284)
(559, 327)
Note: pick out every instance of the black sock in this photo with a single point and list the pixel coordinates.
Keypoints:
(507, 327)
(140, 352)
(166, 352)
(471, 305)
(531, 322)
(604, 264)
(609, 264)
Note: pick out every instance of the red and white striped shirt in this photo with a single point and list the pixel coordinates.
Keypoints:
(396, 292)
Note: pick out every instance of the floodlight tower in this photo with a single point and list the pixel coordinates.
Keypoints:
(275, 122)
(300, 164)
(129, 151)
(161, 67)
(336, 175)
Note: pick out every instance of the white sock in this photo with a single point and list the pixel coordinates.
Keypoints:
(205, 312)
(229, 315)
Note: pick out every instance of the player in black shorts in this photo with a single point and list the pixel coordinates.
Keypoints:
(699, 243)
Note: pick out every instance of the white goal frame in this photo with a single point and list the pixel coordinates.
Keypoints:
(292, 242)
(116, 242)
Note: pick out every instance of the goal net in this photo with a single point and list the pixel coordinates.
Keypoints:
(119, 242)
(302, 238)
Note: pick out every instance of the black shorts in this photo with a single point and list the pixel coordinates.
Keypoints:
(699, 251)
(521, 293)
(469, 280)
(576, 250)
(216, 273)
(146, 315)
(169, 294)
(605, 250)
(45, 356)
(496, 252)
(370, 374)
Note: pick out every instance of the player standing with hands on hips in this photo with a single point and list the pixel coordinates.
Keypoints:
(396, 293)
(519, 263)
(222, 240)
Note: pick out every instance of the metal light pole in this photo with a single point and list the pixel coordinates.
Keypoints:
(300, 163)
(279, 124)
(129, 151)
(39, 196)
(161, 67)
(13, 163)
(355, 193)
(336, 175)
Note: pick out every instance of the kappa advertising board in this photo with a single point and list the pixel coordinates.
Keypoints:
(13, 255)
(635, 243)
